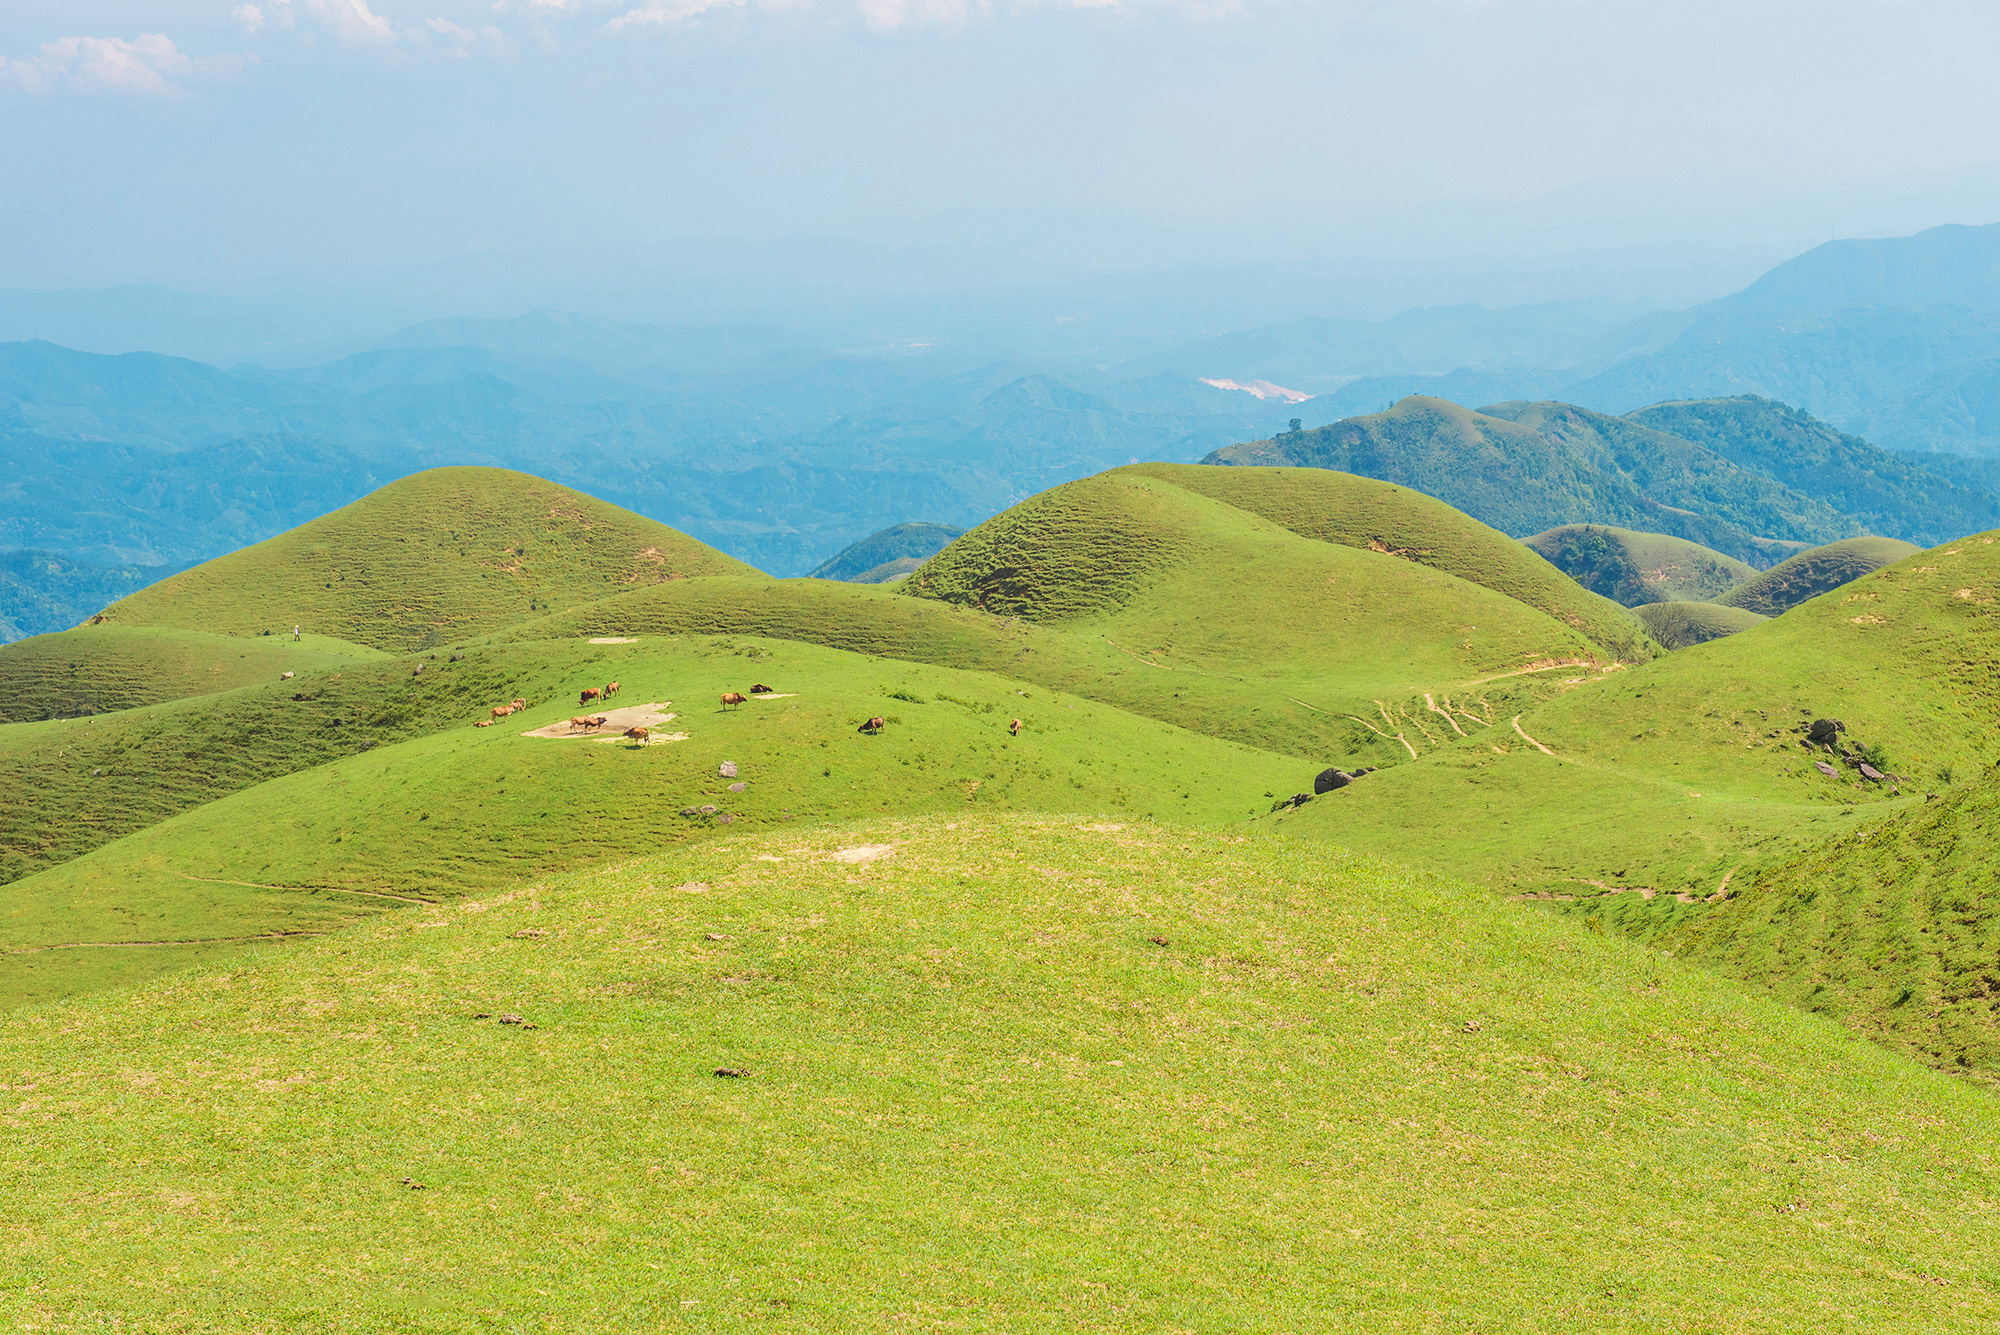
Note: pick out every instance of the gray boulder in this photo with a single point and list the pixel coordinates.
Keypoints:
(1331, 779)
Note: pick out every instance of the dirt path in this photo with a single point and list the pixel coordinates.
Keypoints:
(1529, 740)
(1432, 705)
(307, 889)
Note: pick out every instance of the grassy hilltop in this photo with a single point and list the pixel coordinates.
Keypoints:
(434, 558)
(997, 1073)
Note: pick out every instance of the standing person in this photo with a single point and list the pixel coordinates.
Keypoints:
(295, 634)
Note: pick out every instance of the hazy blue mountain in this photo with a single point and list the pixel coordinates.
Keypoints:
(42, 592)
(864, 560)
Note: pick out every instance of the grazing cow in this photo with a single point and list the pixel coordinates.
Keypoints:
(579, 723)
(502, 711)
(732, 699)
(875, 724)
(610, 689)
(1014, 728)
(588, 694)
(518, 705)
(761, 689)
(639, 735)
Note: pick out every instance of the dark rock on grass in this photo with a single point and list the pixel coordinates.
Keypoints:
(1870, 773)
(708, 811)
(690, 811)
(1824, 731)
(1826, 769)
(731, 1072)
(1331, 780)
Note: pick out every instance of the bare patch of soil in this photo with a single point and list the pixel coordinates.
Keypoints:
(616, 721)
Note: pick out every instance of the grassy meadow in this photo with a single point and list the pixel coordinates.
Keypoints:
(995, 1073)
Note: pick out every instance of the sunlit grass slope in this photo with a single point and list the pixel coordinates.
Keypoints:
(1672, 778)
(1813, 572)
(1678, 625)
(1636, 568)
(471, 809)
(1129, 589)
(100, 669)
(996, 1073)
(426, 561)
(1357, 511)
(67, 786)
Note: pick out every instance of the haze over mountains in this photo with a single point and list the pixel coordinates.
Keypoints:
(785, 441)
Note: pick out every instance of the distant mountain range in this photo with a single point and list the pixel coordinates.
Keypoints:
(783, 444)
(1746, 477)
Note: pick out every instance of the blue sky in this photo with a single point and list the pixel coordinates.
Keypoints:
(189, 141)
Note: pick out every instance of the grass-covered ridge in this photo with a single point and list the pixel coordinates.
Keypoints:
(428, 560)
(1813, 572)
(1677, 625)
(102, 669)
(998, 1073)
(1634, 568)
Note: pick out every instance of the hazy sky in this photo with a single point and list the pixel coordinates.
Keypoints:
(194, 141)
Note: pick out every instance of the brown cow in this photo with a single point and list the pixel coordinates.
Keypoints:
(875, 724)
(732, 699)
(639, 735)
(502, 711)
(761, 689)
(1014, 728)
(610, 689)
(484, 723)
(588, 694)
(518, 705)
(580, 722)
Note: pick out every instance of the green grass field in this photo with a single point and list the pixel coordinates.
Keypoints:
(104, 669)
(999, 1073)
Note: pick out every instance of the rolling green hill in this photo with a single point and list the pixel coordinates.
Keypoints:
(893, 551)
(103, 668)
(985, 1073)
(453, 811)
(1637, 568)
(1525, 468)
(1813, 572)
(1678, 625)
(431, 559)
(1383, 517)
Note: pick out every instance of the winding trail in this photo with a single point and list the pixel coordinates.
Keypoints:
(1529, 740)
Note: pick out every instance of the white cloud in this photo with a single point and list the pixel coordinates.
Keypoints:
(664, 13)
(147, 64)
(249, 16)
(353, 21)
